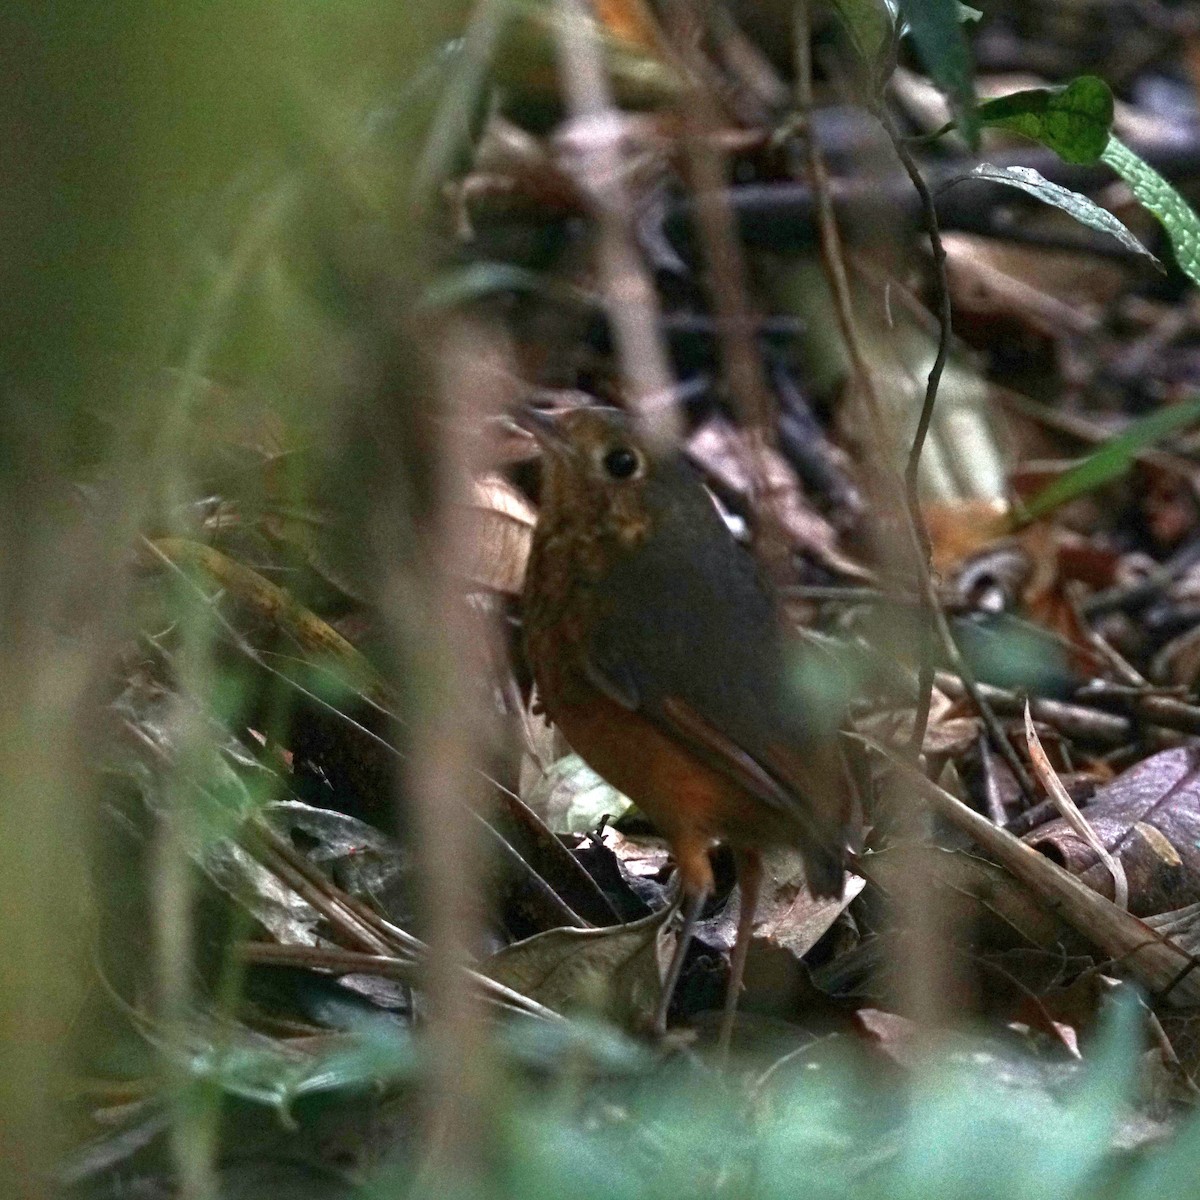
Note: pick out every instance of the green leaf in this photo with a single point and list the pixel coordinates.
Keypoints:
(1084, 210)
(870, 24)
(1112, 459)
(1159, 197)
(1074, 121)
(936, 30)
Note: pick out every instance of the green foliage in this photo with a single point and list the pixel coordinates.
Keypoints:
(870, 25)
(1114, 458)
(936, 29)
(269, 1072)
(1074, 121)
(1156, 195)
(978, 1119)
(1085, 210)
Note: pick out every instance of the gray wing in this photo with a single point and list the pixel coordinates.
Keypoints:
(708, 654)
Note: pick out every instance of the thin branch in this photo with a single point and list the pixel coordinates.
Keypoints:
(741, 359)
(912, 467)
(911, 478)
(945, 314)
(596, 129)
(1088, 725)
(736, 323)
(387, 966)
(448, 642)
(833, 259)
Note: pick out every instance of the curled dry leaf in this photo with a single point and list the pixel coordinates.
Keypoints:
(1049, 780)
(1161, 965)
(614, 971)
(1149, 818)
(503, 521)
(729, 457)
(787, 917)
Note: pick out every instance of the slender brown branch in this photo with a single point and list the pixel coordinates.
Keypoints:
(387, 966)
(741, 360)
(912, 467)
(596, 130)
(449, 642)
(736, 323)
(1072, 720)
(911, 479)
(833, 259)
(921, 969)
(941, 285)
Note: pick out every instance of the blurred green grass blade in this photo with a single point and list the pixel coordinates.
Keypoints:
(1074, 121)
(936, 29)
(1110, 1083)
(478, 281)
(1112, 459)
(1155, 194)
(1085, 210)
(275, 1074)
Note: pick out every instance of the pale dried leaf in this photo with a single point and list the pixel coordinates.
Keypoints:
(503, 523)
(612, 971)
(571, 798)
(1061, 799)
(1156, 962)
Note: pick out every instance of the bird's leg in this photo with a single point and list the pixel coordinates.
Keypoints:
(693, 903)
(749, 877)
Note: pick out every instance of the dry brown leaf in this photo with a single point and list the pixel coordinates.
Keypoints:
(503, 533)
(1054, 788)
(1148, 817)
(614, 971)
(787, 916)
(731, 460)
(1156, 962)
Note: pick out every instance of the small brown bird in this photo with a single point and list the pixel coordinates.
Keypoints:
(658, 649)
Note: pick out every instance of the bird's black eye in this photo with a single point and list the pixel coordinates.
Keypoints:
(621, 462)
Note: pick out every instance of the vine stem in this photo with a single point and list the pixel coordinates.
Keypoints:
(937, 617)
